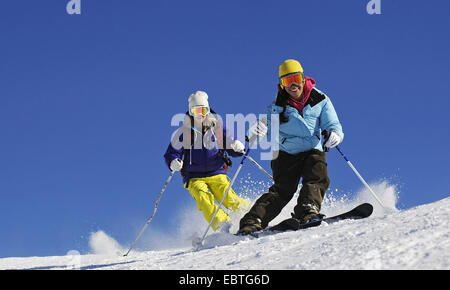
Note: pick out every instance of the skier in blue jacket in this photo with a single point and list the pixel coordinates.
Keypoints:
(304, 113)
(201, 152)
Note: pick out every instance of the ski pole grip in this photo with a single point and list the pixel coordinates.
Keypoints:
(254, 136)
(325, 135)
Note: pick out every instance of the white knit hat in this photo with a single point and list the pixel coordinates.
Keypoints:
(198, 99)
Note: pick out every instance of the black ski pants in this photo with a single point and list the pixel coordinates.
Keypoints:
(287, 170)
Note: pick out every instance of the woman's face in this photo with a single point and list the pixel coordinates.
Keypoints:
(199, 119)
(295, 91)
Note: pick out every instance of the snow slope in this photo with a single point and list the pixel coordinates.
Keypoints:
(417, 238)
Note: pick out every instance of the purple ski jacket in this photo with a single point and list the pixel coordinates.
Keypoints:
(205, 155)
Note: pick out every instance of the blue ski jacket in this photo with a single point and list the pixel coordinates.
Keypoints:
(303, 133)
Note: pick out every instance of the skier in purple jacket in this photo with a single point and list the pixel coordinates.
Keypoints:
(200, 151)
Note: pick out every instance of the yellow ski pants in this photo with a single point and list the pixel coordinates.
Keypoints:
(217, 185)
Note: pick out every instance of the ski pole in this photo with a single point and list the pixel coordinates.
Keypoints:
(359, 176)
(197, 243)
(253, 160)
(326, 134)
(154, 211)
(259, 166)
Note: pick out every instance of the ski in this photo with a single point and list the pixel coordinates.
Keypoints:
(291, 224)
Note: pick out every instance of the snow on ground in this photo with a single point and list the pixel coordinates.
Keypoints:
(417, 238)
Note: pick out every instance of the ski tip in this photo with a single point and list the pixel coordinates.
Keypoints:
(368, 207)
(364, 210)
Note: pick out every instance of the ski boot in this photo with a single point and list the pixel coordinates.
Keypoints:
(311, 218)
(250, 227)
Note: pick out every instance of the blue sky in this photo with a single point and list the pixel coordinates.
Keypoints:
(86, 102)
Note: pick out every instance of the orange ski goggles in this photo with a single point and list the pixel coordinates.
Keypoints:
(292, 79)
(196, 111)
